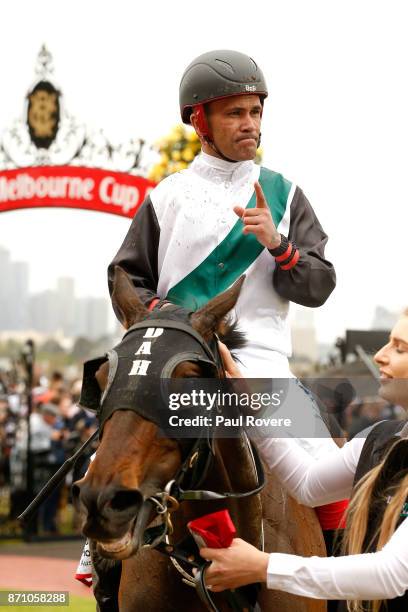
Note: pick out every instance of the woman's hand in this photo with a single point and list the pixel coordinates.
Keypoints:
(231, 368)
(236, 566)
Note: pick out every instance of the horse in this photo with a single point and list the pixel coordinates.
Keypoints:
(134, 462)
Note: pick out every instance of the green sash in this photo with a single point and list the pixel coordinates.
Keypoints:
(221, 268)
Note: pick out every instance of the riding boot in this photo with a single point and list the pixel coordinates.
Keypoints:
(105, 581)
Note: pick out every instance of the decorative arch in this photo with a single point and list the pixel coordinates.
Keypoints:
(50, 159)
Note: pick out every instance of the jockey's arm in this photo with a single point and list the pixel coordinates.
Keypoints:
(312, 279)
(138, 254)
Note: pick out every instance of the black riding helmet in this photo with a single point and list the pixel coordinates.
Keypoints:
(219, 74)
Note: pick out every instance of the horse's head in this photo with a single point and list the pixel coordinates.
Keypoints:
(134, 460)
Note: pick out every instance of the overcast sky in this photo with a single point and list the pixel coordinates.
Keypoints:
(335, 122)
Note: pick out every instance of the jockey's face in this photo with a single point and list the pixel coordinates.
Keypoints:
(392, 361)
(235, 125)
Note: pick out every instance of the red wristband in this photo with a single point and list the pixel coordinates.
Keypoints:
(286, 254)
(292, 262)
(153, 303)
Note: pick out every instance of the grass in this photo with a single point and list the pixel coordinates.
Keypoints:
(77, 604)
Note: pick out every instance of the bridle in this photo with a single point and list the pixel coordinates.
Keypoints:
(193, 470)
(197, 461)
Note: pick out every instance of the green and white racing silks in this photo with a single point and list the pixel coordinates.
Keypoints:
(202, 248)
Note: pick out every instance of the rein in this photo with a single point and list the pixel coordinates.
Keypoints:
(166, 502)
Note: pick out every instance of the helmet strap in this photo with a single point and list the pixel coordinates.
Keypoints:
(212, 144)
(201, 121)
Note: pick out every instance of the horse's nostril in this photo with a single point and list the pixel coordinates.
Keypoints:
(123, 500)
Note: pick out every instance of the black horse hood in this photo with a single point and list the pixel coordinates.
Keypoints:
(141, 365)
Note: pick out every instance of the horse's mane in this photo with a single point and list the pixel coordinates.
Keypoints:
(232, 336)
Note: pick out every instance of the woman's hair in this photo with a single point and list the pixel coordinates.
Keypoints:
(354, 541)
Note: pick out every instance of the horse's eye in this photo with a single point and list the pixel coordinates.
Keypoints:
(188, 370)
(191, 375)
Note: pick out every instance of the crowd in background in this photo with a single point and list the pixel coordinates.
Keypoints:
(58, 426)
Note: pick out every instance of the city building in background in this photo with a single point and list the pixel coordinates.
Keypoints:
(54, 311)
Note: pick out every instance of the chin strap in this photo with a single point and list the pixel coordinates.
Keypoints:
(214, 147)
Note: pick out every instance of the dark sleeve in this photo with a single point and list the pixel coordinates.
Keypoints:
(138, 253)
(312, 279)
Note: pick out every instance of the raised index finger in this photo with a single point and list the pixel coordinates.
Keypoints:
(260, 198)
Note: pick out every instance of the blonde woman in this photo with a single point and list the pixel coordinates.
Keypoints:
(374, 574)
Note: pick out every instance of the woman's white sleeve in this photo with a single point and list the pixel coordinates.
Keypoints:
(312, 482)
(380, 575)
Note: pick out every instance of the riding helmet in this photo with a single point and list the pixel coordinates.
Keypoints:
(219, 74)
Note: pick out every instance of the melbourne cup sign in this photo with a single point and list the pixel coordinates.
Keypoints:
(49, 158)
(73, 187)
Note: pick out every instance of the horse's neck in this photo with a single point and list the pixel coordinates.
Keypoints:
(232, 470)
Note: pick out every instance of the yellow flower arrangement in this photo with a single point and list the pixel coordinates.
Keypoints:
(177, 150)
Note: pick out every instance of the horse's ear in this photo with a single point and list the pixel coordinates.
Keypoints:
(208, 319)
(125, 301)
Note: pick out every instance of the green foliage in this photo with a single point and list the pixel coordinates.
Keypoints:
(177, 150)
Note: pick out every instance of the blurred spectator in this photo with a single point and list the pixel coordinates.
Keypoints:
(342, 346)
(53, 393)
(8, 426)
(78, 426)
(48, 455)
(369, 411)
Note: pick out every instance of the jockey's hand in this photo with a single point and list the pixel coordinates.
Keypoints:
(236, 566)
(258, 221)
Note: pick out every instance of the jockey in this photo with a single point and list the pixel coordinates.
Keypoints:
(202, 228)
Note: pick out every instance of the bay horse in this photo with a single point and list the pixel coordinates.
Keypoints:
(134, 461)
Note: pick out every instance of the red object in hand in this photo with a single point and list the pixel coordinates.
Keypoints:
(214, 530)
